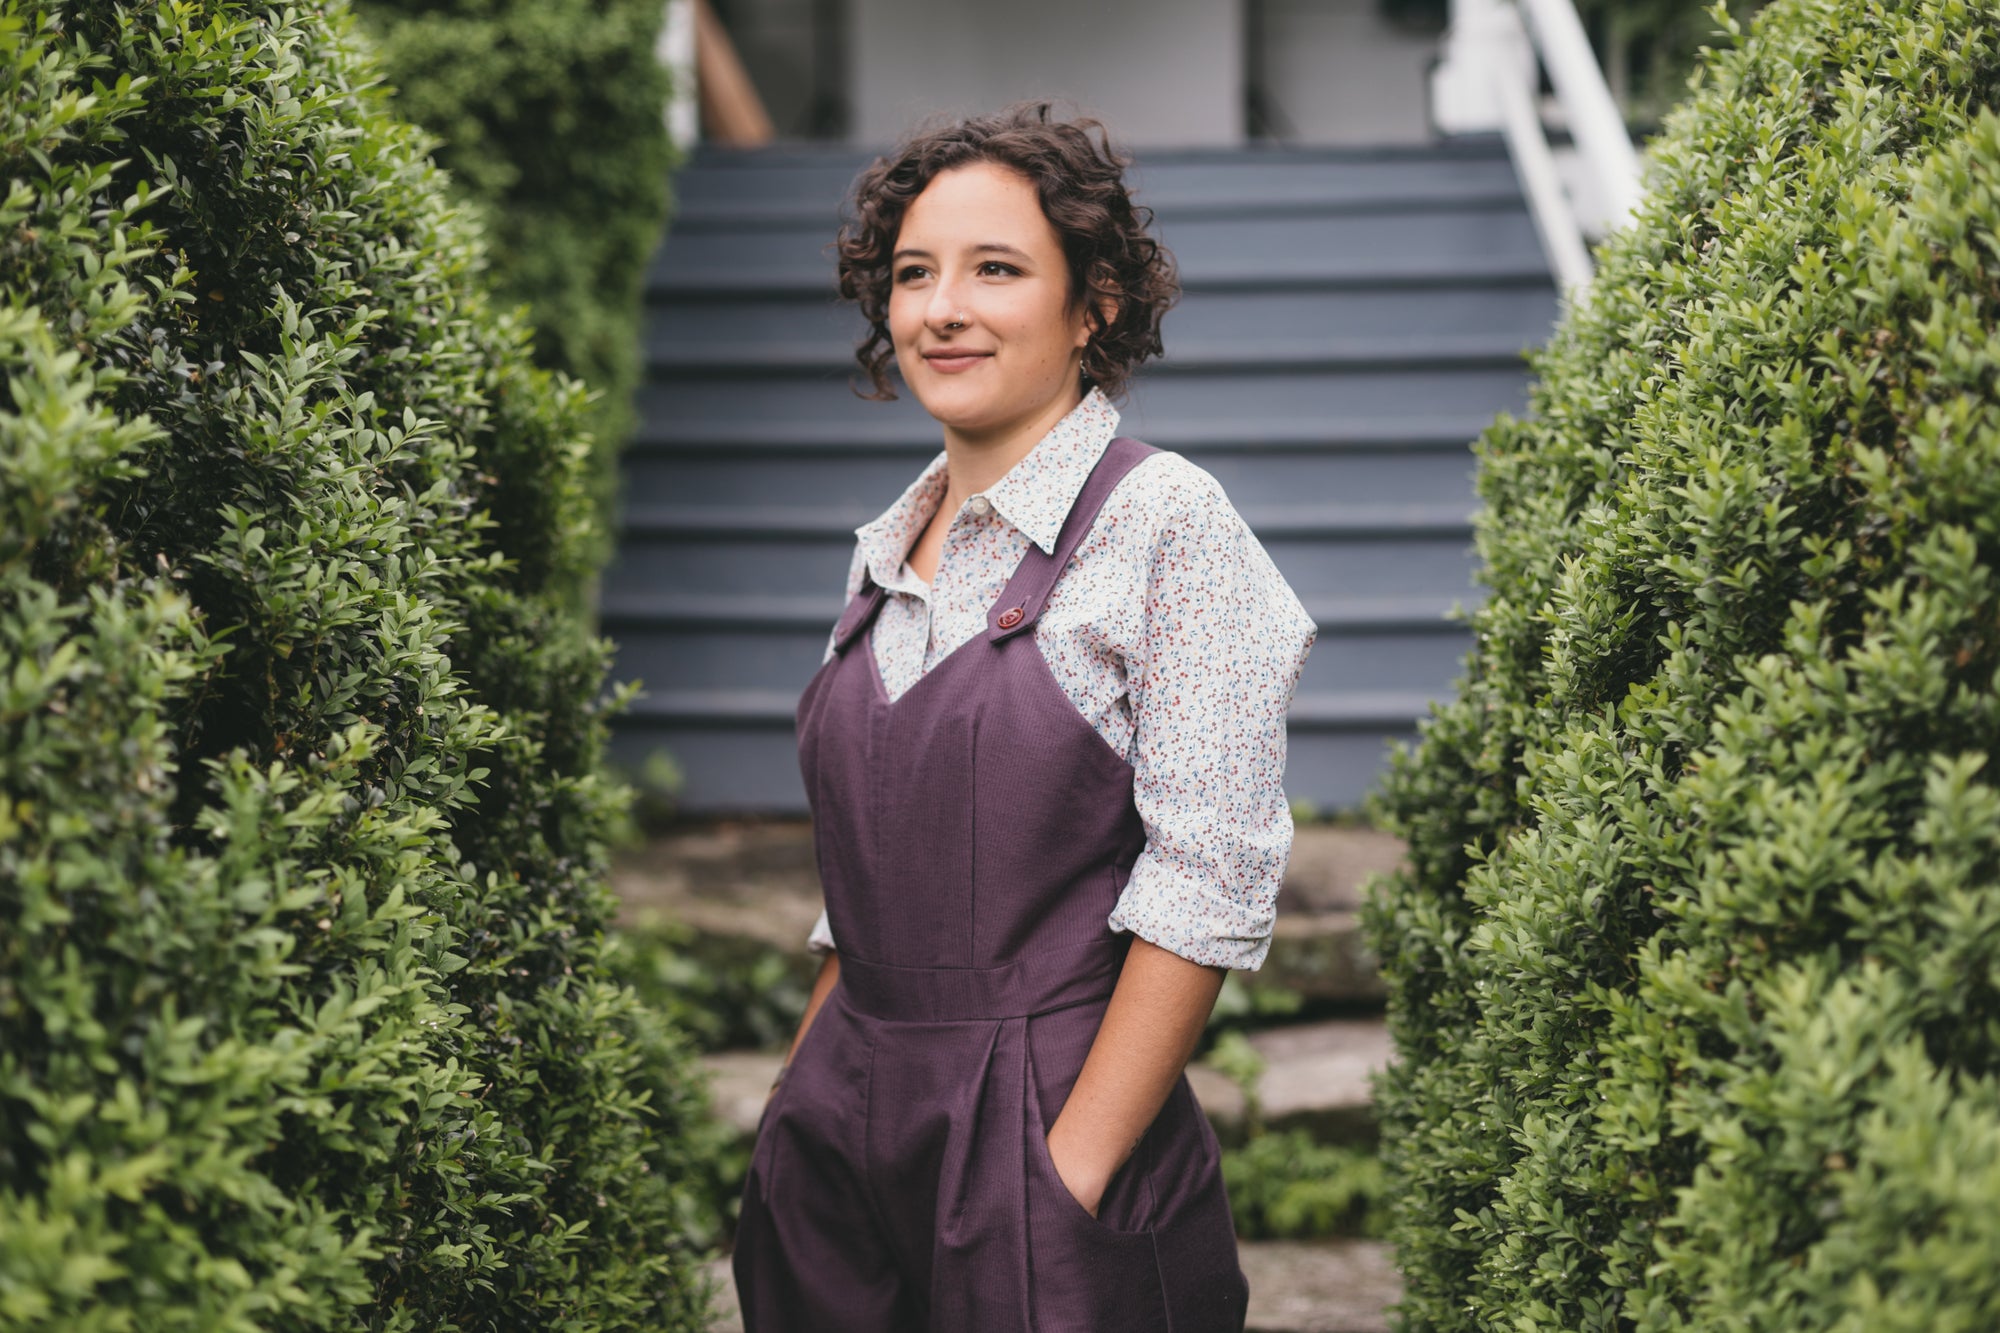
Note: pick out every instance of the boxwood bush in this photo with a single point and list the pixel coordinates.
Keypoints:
(302, 1023)
(1696, 972)
(551, 123)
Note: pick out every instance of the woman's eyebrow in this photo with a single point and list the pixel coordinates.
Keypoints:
(988, 248)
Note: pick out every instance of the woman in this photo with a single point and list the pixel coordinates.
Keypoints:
(1045, 754)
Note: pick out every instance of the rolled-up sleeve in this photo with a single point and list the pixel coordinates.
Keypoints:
(1222, 642)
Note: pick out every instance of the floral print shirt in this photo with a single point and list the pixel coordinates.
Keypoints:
(1173, 634)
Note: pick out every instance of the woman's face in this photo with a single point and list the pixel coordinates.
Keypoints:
(980, 314)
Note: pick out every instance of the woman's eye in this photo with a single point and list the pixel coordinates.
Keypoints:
(911, 272)
(993, 268)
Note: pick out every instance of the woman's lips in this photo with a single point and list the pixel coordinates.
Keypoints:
(953, 361)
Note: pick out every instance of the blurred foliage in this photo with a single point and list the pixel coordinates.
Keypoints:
(725, 992)
(1244, 1002)
(1290, 1186)
(550, 116)
(1695, 969)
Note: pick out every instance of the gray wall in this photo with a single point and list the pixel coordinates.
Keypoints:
(781, 44)
(1337, 72)
(1160, 72)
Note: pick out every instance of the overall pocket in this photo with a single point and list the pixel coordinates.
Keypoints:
(1086, 1275)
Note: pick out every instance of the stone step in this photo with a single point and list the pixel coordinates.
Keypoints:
(1315, 1078)
(751, 880)
(1331, 865)
(1329, 1286)
(1320, 1286)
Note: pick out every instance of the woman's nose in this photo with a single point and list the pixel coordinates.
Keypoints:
(946, 311)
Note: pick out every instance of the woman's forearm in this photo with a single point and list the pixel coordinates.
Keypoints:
(1150, 1028)
(829, 972)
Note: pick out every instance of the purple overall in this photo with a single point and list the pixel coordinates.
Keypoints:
(972, 837)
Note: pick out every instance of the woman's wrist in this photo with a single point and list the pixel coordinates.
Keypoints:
(1082, 1171)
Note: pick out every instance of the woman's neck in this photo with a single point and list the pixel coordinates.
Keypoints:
(975, 461)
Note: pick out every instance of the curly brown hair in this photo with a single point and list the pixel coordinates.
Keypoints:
(1080, 178)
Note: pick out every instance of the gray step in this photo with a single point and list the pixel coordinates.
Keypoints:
(747, 706)
(1382, 326)
(1304, 410)
(1328, 521)
(1423, 563)
(1262, 250)
(689, 658)
(865, 483)
(737, 190)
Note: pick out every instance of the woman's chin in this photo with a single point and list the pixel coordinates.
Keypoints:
(966, 413)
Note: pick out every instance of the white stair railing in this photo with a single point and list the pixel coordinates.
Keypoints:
(676, 50)
(1489, 79)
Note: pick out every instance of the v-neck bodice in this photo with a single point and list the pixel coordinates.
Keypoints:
(976, 816)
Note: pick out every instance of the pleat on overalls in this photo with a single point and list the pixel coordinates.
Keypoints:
(973, 836)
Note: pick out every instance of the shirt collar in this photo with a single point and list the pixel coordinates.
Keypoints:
(1037, 492)
(1035, 495)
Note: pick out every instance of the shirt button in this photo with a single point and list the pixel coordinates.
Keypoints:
(980, 505)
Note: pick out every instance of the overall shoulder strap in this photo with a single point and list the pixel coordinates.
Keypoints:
(860, 612)
(1020, 604)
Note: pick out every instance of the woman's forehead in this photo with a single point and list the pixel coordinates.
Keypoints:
(980, 206)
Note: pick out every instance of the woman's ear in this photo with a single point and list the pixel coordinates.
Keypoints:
(1107, 315)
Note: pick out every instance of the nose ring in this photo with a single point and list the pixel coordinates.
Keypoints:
(957, 320)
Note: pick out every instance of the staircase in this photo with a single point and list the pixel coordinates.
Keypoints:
(1351, 321)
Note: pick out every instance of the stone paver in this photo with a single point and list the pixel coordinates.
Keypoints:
(1316, 1078)
(1329, 866)
(1324, 1286)
(751, 879)
(728, 1315)
(1316, 1075)
(1320, 956)
(737, 1084)
(1320, 1286)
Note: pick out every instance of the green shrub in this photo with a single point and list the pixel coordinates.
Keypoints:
(552, 120)
(1696, 975)
(301, 826)
(724, 992)
(1291, 1187)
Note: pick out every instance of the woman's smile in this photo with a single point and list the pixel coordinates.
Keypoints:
(954, 360)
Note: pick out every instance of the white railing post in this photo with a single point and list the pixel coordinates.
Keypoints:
(1476, 59)
(1595, 122)
(1488, 78)
(675, 49)
(1549, 207)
